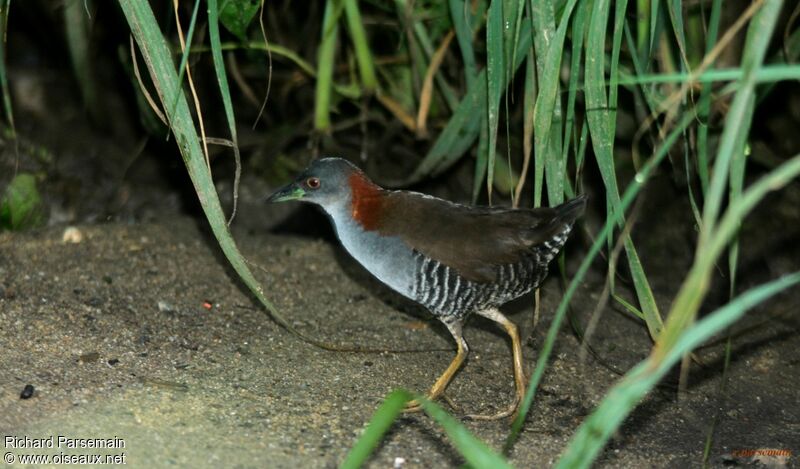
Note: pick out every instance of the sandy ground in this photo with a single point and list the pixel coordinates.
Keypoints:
(141, 332)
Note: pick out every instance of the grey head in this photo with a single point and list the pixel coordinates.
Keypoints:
(325, 182)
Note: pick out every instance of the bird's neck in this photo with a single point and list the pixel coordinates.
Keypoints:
(367, 202)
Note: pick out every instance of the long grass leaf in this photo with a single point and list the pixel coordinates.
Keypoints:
(697, 282)
(578, 31)
(616, 47)
(459, 15)
(514, 12)
(481, 159)
(145, 31)
(425, 42)
(379, 424)
(678, 338)
(592, 435)
(549, 42)
(76, 25)
(187, 46)
(766, 74)
(737, 122)
(529, 101)
(464, 125)
(646, 91)
(613, 220)
(366, 67)
(325, 62)
(601, 120)
(474, 451)
(655, 27)
(642, 49)
(495, 81)
(224, 89)
(5, 5)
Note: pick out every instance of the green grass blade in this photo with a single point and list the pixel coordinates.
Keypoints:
(704, 103)
(379, 424)
(592, 435)
(222, 80)
(602, 120)
(458, 135)
(736, 184)
(642, 49)
(616, 46)
(655, 28)
(481, 160)
(325, 63)
(643, 291)
(628, 307)
(366, 67)
(688, 173)
(145, 31)
(675, 13)
(459, 14)
(538, 161)
(613, 220)
(261, 45)
(422, 40)
(646, 91)
(474, 451)
(5, 5)
(514, 10)
(219, 69)
(697, 282)
(766, 74)
(580, 156)
(578, 32)
(549, 41)
(464, 125)
(598, 115)
(188, 49)
(495, 81)
(76, 26)
(529, 103)
(737, 122)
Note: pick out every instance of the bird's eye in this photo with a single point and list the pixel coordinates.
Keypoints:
(313, 183)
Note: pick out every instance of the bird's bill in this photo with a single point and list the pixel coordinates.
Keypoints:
(290, 192)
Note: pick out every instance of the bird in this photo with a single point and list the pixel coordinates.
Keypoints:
(456, 260)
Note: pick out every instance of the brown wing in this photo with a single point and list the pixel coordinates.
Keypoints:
(473, 240)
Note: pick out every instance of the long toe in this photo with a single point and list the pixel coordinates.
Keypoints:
(412, 407)
(509, 412)
(500, 415)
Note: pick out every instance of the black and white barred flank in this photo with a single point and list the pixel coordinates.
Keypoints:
(451, 297)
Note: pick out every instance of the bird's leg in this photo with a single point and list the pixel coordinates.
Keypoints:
(519, 375)
(441, 383)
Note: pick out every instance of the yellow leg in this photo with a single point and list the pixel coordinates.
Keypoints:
(441, 383)
(519, 375)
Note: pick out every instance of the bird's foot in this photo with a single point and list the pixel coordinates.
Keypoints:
(500, 415)
(511, 411)
(415, 406)
(412, 407)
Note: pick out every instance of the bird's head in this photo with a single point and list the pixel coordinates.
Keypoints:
(327, 182)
